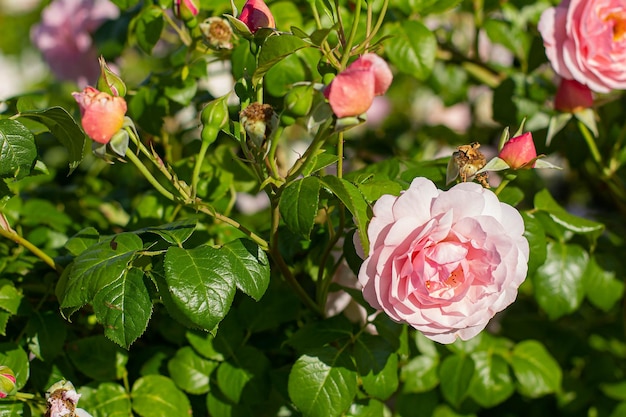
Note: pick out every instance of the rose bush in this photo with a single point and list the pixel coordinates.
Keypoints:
(444, 262)
(586, 41)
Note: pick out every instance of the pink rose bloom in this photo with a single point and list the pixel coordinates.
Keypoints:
(102, 115)
(352, 91)
(255, 14)
(572, 96)
(64, 37)
(519, 152)
(585, 40)
(444, 262)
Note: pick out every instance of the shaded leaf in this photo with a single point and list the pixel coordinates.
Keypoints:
(298, 205)
(536, 371)
(17, 149)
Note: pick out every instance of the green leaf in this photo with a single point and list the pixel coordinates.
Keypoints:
(556, 124)
(602, 287)
(420, 374)
(14, 408)
(14, 357)
(176, 232)
(46, 333)
(190, 371)
(616, 391)
(82, 240)
(412, 49)
(377, 364)
(559, 282)
(107, 399)
(201, 283)
(509, 36)
(274, 49)
(456, 373)
(298, 205)
(148, 27)
(318, 333)
(492, 383)
(249, 266)
(158, 396)
(124, 307)
(10, 297)
(354, 201)
(370, 408)
(536, 370)
(536, 236)
(98, 358)
(202, 342)
(244, 376)
(323, 383)
(63, 127)
(17, 149)
(544, 202)
(100, 266)
(425, 7)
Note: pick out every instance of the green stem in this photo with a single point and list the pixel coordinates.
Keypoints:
(501, 186)
(34, 249)
(234, 223)
(271, 156)
(284, 268)
(316, 144)
(591, 143)
(355, 25)
(198, 166)
(148, 175)
(379, 23)
(184, 35)
(340, 155)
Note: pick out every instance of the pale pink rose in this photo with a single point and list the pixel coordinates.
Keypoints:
(64, 37)
(255, 14)
(102, 115)
(585, 40)
(352, 91)
(444, 262)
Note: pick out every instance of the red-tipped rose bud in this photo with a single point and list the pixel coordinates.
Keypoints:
(519, 152)
(102, 115)
(185, 9)
(255, 14)
(7, 381)
(572, 96)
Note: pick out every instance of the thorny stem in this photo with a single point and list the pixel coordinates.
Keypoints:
(11, 235)
(374, 31)
(148, 175)
(198, 166)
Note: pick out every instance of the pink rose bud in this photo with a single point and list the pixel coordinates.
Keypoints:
(185, 9)
(519, 152)
(102, 115)
(255, 14)
(352, 91)
(7, 381)
(572, 96)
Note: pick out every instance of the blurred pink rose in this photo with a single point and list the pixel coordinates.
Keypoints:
(519, 152)
(444, 262)
(585, 40)
(102, 115)
(255, 14)
(352, 91)
(64, 37)
(572, 96)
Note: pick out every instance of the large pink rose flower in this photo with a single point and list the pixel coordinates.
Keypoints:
(64, 37)
(585, 40)
(444, 262)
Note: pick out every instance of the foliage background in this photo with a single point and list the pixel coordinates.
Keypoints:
(464, 70)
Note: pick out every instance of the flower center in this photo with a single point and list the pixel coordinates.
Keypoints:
(619, 25)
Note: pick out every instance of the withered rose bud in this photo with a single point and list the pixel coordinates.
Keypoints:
(258, 120)
(217, 33)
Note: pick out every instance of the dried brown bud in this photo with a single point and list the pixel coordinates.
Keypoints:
(217, 33)
(258, 120)
(466, 161)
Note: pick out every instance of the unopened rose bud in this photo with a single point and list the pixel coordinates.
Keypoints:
(255, 14)
(109, 82)
(214, 117)
(185, 10)
(217, 33)
(102, 115)
(258, 120)
(298, 100)
(7, 381)
(519, 152)
(572, 96)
